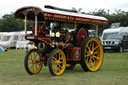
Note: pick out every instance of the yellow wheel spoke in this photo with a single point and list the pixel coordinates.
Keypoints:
(31, 56)
(54, 58)
(89, 49)
(90, 43)
(87, 60)
(53, 62)
(93, 46)
(90, 60)
(61, 62)
(55, 68)
(90, 65)
(60, 67)
(30, 63)
(88, 54)
(59, 55)
(96, 57)
(29, 59)
(36, 66)
(94, 61)
(96, 47)
(35, 56)
(95, 53)
(31, 66)
(60, 59)
(38, 60)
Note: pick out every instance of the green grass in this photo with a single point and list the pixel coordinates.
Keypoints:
(114, 71)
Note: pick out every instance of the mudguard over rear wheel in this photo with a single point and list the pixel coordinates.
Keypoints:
(91, 54)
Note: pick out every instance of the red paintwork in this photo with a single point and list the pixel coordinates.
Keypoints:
(41, 29)
(73, 53)
(76, 53)
(81, 34)
(39, 37)
(69, 54)
(59, 44)
(62, 17)
(46, 40)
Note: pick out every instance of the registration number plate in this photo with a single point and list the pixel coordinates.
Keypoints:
(107, 47)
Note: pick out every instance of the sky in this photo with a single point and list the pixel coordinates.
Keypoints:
(8, 6)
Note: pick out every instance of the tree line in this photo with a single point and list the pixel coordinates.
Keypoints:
(8, 23)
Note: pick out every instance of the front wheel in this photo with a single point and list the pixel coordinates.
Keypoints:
(32, 61)
(91, 54)
(57, 62)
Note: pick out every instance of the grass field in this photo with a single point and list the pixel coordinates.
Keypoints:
(114, 71)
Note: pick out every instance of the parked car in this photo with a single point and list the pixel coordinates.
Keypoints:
(115, 39)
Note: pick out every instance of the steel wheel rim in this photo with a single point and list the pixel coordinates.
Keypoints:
(58, 62)
(34, 63)
(93, 54)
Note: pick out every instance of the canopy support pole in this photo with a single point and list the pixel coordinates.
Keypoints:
(36, 25)
(97, 30)
(25, 26)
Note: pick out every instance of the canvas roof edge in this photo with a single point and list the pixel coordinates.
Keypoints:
(21, 12)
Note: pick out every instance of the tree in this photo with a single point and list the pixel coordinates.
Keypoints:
(8, 24)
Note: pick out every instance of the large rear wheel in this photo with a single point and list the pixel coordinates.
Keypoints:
(32, 61)
(57, 62)
(91, 54)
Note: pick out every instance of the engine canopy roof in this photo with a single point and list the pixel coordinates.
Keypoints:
(57, 15)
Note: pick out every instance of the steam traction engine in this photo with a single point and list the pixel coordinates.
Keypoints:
(61, 38)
